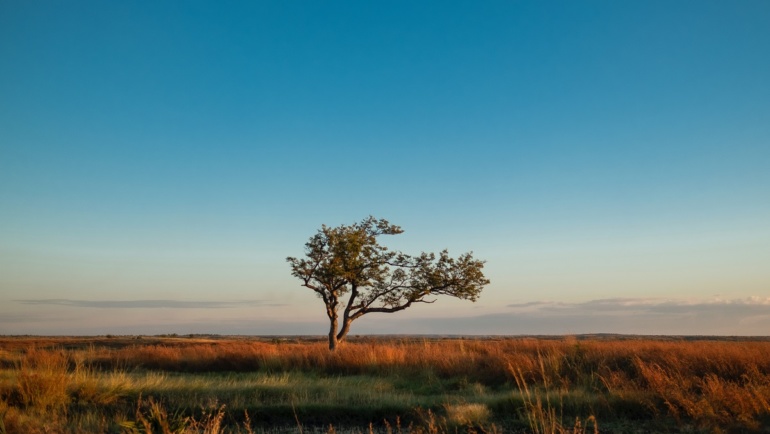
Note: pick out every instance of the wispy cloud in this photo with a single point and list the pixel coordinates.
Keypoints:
(28, 317)
(608, 306)
(148, 304)
(643, 316)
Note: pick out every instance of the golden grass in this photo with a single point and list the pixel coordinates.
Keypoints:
(712, 384)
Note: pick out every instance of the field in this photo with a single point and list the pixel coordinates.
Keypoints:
(201, 384)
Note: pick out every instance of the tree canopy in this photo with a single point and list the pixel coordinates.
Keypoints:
(354, 275)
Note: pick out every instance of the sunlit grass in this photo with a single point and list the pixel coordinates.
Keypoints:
(544, 385)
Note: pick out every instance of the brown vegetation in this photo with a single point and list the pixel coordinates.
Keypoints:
(713, 385)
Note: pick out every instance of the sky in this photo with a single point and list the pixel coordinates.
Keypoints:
(608, 160)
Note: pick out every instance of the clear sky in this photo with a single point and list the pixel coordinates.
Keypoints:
(610, 160)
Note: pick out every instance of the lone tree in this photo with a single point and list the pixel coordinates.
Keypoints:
(354, 275)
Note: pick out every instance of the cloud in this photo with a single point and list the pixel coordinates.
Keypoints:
(652, 306)
(717, 316)
(26, 318)
(148, 304)
(213, 326)
(636, 316)
(640, 316)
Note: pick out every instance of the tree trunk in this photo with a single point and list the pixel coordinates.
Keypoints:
(345, 329)
(333, 333)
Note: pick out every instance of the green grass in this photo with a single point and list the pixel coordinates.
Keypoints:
(316, 398)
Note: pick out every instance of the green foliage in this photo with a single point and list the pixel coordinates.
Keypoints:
(348, 269)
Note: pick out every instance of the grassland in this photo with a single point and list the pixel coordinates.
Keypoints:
(243, 385)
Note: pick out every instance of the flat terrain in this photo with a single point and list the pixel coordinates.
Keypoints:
(214, 384)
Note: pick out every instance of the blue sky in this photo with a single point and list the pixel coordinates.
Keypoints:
(609, 161)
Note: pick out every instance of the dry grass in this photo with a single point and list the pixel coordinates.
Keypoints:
(83, 384)
(467, 414)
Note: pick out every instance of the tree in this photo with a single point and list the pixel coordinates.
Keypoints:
(354, 275)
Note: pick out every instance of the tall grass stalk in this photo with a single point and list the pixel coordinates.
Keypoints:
(544, 417)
